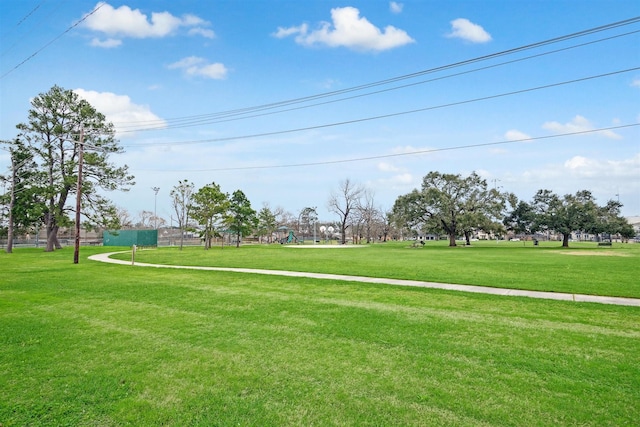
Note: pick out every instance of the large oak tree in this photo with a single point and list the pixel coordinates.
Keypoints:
(450, 203)
(577, 212)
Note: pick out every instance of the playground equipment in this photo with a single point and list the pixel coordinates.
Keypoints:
(290, 238)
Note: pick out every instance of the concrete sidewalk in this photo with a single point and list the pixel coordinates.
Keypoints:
(396, 282)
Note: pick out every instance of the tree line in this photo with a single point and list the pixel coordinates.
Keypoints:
(64, 135)
(460, 206)
(214, 211)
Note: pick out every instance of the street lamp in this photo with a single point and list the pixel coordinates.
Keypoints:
(155, 207)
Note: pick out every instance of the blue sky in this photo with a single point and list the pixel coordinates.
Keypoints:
(196, 71)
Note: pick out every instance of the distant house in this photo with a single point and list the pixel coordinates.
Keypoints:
(635, 223)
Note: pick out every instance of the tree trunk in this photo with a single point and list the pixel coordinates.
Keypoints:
(10, 237)
(12, 202)
(452, 239)
(52, 240)
(56, 242)
(467, 237)
(565, 239)
(10, 225)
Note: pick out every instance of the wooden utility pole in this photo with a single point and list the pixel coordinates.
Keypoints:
(12, 202)
(76, 252)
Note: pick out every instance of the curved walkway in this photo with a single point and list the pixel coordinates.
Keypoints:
(105, 257)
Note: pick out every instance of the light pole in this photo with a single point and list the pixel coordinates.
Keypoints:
(155, 207)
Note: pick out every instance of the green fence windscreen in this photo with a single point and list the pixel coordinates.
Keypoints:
(130, 238)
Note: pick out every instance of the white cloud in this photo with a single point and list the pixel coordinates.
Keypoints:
(578, 162)
(211, 71)
(192, 20)
(198, 67)
(126, 22)
(573, 173)
(603, 177)
(403, 181)
(204, 32)
(108, 43)
(498, 151)
(396, 7)
(286, 32)
(579, 166)
(635, 83)
(189, 61)
(348, 30)
(387, 167)
(578, 124)
(515, 135)
(462, 28)
(124, 114)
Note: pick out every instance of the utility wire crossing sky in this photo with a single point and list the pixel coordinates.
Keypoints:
(283, 100)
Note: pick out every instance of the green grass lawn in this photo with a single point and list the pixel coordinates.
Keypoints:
(584, 268)
(108, 345)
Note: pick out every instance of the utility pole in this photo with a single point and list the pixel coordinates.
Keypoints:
(76, 252)
(12, 202)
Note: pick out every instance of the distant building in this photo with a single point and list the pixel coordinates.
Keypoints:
(635, 223)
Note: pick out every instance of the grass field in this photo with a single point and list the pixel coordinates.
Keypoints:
(584, 268)
(109, 345)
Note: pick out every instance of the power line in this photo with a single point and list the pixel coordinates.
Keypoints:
(241, 114)
(17, 26)
(180, 121)
(98, 6)
(384, 116)
(411, 153)
(30, 13)
(230, 117)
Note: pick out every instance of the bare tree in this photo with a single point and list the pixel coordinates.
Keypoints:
(387, 230)
(181, 196)
(370, 216)
(124, 217)
(284, 217)
(145, 219)
(343, 202)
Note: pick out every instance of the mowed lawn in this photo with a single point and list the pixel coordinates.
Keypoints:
(109, 345)
(583, 268)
